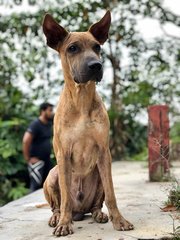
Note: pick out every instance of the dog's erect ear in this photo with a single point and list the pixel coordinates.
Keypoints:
(100, 29)
(55, 34)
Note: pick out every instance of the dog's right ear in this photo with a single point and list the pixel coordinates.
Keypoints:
(100, 29)
(55, 34)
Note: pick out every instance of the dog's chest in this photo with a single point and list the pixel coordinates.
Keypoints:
(85, 147)
(77, 129)
(83, 136)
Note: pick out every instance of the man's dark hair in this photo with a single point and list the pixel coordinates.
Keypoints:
(44, 106)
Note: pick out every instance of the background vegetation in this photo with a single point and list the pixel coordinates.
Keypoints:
(140, 73)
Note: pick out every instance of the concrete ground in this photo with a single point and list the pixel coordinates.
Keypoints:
(138, 199)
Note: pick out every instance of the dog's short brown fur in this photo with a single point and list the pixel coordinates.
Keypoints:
(82, 178)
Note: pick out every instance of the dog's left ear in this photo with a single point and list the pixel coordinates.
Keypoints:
(100, 29)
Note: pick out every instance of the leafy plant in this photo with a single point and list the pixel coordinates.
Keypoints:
(175, 141)
(176, 230)
(175, 133)
(18, 190)
(142, 156)
(174, 195)
(15, 114)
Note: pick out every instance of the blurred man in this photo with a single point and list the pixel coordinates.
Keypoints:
(37, 146)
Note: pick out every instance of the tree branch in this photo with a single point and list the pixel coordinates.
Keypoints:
(168, 34)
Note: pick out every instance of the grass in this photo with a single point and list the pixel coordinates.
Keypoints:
(176, 231)
(174, 201)
(174, 196)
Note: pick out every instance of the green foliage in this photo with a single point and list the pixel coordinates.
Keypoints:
(133, 135)
(142, 156)
(12, 165)
(175, 133)
(11, 189)
(175, 141)
(18, 191)
(174, 195)
(13, 170)
(140, 96)
(176, 233)
(176, 228)
(137, 137)
(15, 113)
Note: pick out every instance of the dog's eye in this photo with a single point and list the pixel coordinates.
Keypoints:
(73, 49)
(97, 48)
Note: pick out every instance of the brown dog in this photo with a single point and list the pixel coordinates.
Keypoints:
(82, 177)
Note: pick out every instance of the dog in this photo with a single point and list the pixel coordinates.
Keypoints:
(82, 179)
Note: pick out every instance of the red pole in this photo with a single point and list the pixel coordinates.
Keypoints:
(158, 143)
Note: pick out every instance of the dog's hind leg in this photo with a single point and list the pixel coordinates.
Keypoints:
(52, 194)
(96, 211)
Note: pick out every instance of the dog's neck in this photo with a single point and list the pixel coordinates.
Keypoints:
(82, 95)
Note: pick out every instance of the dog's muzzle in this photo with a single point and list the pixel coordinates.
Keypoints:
(95, 66)
(92, 70)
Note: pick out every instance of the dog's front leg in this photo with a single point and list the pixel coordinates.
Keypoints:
(104, 167)
(64, 226)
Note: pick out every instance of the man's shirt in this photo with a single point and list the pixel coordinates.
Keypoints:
(41, 143)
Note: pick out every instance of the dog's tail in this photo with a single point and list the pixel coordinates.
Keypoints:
(42, 205)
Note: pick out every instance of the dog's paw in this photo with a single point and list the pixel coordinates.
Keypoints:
(100, 217)
(63, 229)
(54, 219)
(122, 224)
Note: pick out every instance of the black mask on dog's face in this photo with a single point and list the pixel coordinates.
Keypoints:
(79, 51)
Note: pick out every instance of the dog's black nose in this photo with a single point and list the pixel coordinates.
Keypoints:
(95, 65)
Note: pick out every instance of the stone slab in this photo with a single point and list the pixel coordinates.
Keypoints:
(137, 198)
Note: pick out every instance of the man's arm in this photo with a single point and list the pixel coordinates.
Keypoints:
(27, 140)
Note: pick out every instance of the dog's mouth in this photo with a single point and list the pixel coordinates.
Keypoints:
(97, 80)
(84, 78)
(90, 70)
